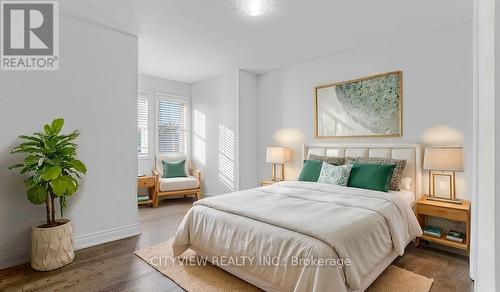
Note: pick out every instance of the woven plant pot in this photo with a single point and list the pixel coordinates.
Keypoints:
(52, 248)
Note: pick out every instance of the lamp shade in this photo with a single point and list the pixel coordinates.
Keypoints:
(444, 158)
(276, 155)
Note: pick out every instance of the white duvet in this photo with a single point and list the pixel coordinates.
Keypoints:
(270, 229)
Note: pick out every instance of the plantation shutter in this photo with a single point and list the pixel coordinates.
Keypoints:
(172, 126)
(142, 124)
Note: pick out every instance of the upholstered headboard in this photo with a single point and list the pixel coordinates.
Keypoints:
(412, 153)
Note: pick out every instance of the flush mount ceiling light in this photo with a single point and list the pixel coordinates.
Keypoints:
(255, 7)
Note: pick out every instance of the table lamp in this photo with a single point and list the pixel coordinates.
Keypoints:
(442, 163)
(277, 156)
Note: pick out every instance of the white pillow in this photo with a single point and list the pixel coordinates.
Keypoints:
(334, 175)
(405, 183)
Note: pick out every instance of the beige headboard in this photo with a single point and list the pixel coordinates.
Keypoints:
(412, 153)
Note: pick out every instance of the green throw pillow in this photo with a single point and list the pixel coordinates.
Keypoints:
(174, 169)
(310, 170)
(371, 176)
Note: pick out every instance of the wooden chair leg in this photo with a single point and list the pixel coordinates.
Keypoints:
(156, 201)
(153, 195)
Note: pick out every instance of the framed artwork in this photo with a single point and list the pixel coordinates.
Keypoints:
(365, 107)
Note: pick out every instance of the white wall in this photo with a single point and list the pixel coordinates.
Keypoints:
(437, 94)
(497, 143)
(152, 86)
(95, 90)
(248, 130)
(215, 107)
(497, 136)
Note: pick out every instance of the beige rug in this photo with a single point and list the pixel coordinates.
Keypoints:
(193, 276)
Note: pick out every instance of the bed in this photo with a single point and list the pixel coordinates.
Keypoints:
(305, 236)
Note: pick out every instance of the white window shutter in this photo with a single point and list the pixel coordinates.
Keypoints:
(172, 126)
(142, 125)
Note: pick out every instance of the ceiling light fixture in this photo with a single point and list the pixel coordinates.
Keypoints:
(255, 7)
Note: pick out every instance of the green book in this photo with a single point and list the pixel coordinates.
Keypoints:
(142, 198)
(455, 236)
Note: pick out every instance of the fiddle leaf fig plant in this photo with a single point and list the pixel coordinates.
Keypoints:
(52, 167)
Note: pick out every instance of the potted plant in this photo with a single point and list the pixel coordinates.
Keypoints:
(53, 172)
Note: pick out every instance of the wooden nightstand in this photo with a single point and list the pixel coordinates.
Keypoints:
(450, 211)
(147, 182)
(268, 182)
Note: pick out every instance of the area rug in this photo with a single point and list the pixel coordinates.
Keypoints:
(193, 276)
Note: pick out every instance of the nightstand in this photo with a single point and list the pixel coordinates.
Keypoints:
(268, 182)
(147, 182)
(450, 211)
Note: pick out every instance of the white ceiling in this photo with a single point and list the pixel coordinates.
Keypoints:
(190, 40)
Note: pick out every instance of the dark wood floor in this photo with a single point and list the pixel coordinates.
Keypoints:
(114, 267)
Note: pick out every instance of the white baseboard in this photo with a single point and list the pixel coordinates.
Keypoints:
(105, 236)
(23, 255)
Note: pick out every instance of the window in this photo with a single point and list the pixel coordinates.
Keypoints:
(172, 125)
(142, 125)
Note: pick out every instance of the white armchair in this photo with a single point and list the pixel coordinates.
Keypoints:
(177, 186)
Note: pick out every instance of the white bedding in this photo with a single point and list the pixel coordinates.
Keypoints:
(406, 195)
(300, 220)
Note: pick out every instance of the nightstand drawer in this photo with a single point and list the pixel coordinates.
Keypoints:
(453, 214)
(145, 182)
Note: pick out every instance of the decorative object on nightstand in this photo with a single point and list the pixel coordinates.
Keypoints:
(144, 181)
(446, 210)
(442, 163)
(277, 156)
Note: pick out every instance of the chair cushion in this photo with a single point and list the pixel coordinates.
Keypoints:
(171, 158)
(178, 183)
(174, 169)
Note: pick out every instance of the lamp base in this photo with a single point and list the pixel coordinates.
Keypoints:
(453, 201)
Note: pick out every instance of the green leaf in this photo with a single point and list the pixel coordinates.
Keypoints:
(47, 129)
(24, 150)
(26, 144)
(34, 139)
(72, 187)
(26, 169)
(37, 195)
(60, 184)
(68, 151)
(51, 173)
(37, 178)
(31, 159)
(57, 125)
(78, 165)
(16, 166)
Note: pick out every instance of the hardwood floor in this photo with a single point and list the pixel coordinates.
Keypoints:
(114, 267)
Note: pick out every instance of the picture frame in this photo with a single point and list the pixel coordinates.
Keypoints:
(364, 107)
(442, 186)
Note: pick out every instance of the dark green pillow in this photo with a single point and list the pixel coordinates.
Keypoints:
(310, 170)
(174, 169)
(371, 176)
